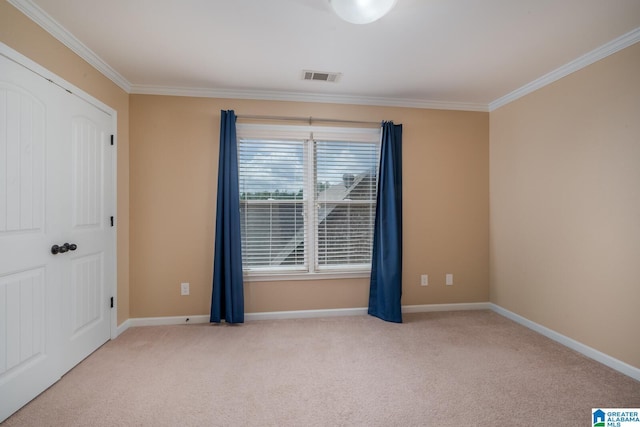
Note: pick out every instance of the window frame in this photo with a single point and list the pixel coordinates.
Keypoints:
(309, 135)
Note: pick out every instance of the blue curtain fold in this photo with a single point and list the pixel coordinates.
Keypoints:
(385, 288)
(227, 298)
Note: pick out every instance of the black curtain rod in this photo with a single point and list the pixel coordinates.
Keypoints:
(310, 120)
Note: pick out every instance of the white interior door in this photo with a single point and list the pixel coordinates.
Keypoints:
(56, 187)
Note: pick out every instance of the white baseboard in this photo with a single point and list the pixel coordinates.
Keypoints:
(168, 320)
(306, 314)
(446, 307)
(122, 327)
(297, 314)
(361, 311)
(590, 352)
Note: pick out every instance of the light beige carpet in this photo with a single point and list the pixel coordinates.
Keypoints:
(472, 368)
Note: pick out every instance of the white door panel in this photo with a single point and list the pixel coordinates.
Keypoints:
(88, 140)
(22, 147)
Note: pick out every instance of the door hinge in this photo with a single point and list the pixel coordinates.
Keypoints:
(112, 221)
(111, 302)
(111, 139)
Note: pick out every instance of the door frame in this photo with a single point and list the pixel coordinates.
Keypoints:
(36, 68)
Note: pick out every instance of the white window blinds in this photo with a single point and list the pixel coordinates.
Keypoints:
(307, 197)
(272, 181)
(345, 190)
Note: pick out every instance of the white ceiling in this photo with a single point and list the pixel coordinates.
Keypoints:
(463, 54)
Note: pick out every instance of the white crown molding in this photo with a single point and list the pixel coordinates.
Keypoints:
(36, 14)
(305, 97)
(595, 55)
(40, 17)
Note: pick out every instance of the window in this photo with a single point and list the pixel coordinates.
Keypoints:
(307, 198)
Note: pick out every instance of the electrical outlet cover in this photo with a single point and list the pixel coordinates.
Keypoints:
(184, 288)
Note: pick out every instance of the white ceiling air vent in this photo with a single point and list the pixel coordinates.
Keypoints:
(321, 76)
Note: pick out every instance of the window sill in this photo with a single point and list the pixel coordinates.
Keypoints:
(279, 277)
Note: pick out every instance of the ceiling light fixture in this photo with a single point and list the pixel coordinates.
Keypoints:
(362, 11)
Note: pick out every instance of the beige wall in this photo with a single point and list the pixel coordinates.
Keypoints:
(174, 154)
(173, 165)
(565, 206)
(23, 35)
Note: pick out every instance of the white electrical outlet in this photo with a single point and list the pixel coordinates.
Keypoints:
(449, 279)
(424, 280)
(184, 288)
